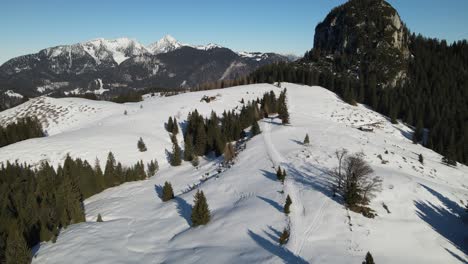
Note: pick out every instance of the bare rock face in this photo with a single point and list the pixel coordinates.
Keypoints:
(368, 36)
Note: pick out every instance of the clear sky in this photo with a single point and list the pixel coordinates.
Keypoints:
(284, 26)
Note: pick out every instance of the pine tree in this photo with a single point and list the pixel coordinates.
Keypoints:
(153, 167)
(200, 210)
(188, 147)
(17, 251)
(287, 205)
(200, 140)
(176, 157)
(283, 239)
(306, 140)
(170, 125)
(167, 192)
(421, 158)
(255, 130)
(283, 112)
(99, 218)
(279, 174)
(109, 171)
(175, 127)
(418, 133)
(369, 259)
(141, 145)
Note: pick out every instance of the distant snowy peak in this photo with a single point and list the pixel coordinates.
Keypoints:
(164, 45)
(258, 56)
(207, 47)
(100, 50)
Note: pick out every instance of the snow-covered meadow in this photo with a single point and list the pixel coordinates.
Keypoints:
(425, 202)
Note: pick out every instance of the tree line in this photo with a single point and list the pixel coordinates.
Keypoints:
(35, 203)
(212, 135)
(22, 129)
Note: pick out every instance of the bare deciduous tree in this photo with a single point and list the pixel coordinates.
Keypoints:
(354, 178)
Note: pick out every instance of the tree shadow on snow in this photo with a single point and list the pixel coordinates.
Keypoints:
(270, 175)
(274, 248)
(464, 261)
(272, 203)
(297, 141)
(159, 190)
(316, 178)
(447, 220)
(168, 155)
(408, 135)
(184, 209)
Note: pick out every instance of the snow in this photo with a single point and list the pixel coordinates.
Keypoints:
(258, 56)
(208, 46)
(424, 225)
(51, 86)
(166, 44)
(10, 93)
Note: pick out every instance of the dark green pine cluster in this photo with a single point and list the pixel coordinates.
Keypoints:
(36, 203)
(20, 130)
(206, 135)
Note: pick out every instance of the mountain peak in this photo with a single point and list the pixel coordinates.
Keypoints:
(166, 44)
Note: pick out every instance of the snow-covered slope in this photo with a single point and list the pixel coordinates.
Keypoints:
(425, 201)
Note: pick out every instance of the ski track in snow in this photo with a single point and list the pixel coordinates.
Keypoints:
(291, 190)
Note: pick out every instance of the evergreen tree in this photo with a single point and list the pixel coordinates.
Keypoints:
(188, 147)
(283, 112)
(283, 239)
(99, 175)
(200, 140)
(167, 192)
(176, 157)
(418, 133)
(141, 145)
(287, 205)
(306, 140)
(99, 218)
(200, 210)
(170, 125)
(369, 259)
(279, 174)
(153, 167)
(109, 171)
(17, 251)
(255, 130)
(175, 127)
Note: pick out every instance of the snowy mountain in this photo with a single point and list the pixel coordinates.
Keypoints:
(164, 45)
(421, 222)
(124, 64)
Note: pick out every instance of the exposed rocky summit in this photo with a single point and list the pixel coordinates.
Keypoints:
(361, 37)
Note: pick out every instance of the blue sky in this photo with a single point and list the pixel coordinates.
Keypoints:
(285, 26)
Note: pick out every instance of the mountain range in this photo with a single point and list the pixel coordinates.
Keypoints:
(102, 65)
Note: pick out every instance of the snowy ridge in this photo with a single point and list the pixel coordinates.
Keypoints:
(424, 200)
